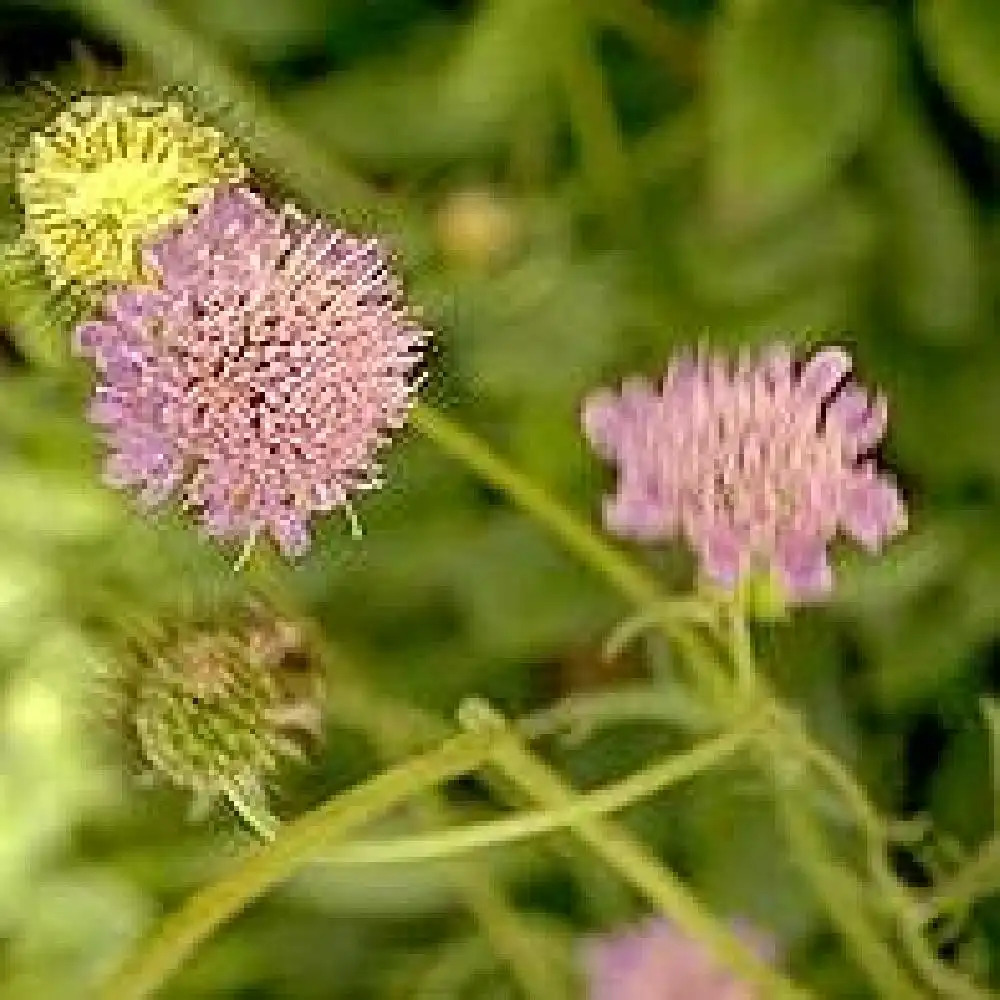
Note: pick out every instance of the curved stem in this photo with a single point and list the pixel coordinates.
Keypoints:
(496, 833)
(633, 862)
(979, 876)
(843, 897)
(298, 842)
(802, 830)
(577, 535)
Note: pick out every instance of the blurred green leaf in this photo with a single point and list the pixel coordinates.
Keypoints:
(385, 114)
(513, 330)
(932, 253)
(962, 38)
(482, 83)
(46, 508)
(758, 882)
(928, 645)
(261, 30)
(966, 766)
(823, 239)
(793, 88)
(39, 319)
(870, 586)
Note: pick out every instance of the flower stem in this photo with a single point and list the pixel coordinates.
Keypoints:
(298, 842)
(631, 860)
(980, 876)
(843, 897)
(802, 832)
(496, 833)
(397, 731)
(578, 536)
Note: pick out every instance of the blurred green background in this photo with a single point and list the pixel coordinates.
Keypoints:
(587, 184)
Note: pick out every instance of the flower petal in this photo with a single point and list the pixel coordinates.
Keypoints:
(860, 420)
(822, 372)
(722, 556)
(802, 565)
(873, 509)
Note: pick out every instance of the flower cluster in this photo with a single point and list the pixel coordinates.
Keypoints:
(655, 961)
(262, 373)
(758, 464)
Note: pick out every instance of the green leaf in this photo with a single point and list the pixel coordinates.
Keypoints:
(962, 38)
(932, 257)
(265, 31)
(928, 646)
(484, 84)
(962, 804)
(755, 880)
(826, 239)
(545, 327)
(793, 88)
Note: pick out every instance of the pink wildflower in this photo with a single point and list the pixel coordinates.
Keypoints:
(757, 465)
(655, 961)
(261, 376)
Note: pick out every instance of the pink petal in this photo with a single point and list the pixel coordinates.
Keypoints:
(873, 509)
(631, 514)
(801, 561)
(822, 372)
(722, 556)
(858, 418)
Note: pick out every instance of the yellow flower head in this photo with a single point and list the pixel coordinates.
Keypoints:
(107, 174)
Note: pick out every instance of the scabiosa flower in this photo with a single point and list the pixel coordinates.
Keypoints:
(758, 465)
(262, 376)
(213, 711)
(107, 173)
(656, 961)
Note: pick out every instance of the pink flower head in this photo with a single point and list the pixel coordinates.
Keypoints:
(655, 961)
(261, 376)
(758, 465)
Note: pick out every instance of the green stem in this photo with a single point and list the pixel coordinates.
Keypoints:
(577, 535)
(894, 896)
(524, 826)
(620, 851)
(397, 731)
(843, 896)
(980, 876)
(298, 842)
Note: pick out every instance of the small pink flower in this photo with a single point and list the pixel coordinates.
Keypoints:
(655, 961)
(757, 465)
(261, 376)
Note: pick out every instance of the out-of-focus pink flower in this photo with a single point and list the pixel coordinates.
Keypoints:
(655, 961)
(261, 376)
(758, 464)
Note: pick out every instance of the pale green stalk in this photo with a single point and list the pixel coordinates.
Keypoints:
(300, 841)
(629, 791)
(398, 731)
(894, 897)
(645, 873)
(843, 896)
